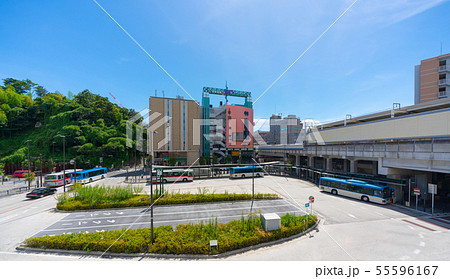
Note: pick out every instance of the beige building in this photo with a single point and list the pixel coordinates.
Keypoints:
(432, 79)
(172, 123)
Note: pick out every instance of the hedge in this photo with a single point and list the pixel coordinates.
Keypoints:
(71, 204)
(186, 239)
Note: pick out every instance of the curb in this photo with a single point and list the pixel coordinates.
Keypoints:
(167, 256)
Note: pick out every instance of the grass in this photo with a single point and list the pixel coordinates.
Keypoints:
(185, 239)
(101, 197)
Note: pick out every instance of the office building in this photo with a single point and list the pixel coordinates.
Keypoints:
(432, 79)
(172, 123)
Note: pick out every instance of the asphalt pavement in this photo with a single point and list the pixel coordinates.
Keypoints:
(97, 221)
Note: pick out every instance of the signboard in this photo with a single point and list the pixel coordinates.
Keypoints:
(235, 153)
(311, 199)
(101, 160)
(306, 204)
(159, 172)
(432, 188)
(72, 161)
(416, 191)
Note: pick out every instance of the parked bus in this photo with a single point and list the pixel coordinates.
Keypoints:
(56, 179)
(247, 171)
(175, 175)
(356, 189)
(90, 175)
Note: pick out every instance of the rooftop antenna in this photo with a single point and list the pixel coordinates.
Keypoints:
(163, 93)
(441, 47)
(155, 93)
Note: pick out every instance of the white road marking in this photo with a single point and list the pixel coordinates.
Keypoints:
(417, 251)
(111, 221)
(197, 211)
(422, 244)
(411, 227)
(8, 217)
(66, 224)
(147, 223)
(421, 235)
(404, 258)
(353, 216)
(96, 222)
(379, 213)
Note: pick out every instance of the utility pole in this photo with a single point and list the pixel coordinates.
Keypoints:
(75, 166)
(40, 160)
(29, 173)
(253, 175)
(64, 162)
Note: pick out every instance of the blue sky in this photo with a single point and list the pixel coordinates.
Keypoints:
(363, 64)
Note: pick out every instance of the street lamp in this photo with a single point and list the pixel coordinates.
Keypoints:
(29, 174)
(151, 183)
(64, 161)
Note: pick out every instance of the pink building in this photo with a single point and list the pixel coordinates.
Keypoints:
(239, 127)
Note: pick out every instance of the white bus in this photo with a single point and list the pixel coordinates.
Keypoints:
(56, 179)
(90, 175)
(174, 175)
(248, 171)
(357, 189)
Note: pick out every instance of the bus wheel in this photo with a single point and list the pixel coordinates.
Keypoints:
(364, 198)
(103, 176)
(334, 192)
(257, 175)
(90, 180)
(184, 179)
(243, 176)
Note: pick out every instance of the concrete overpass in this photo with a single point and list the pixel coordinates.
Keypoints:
(404, 143)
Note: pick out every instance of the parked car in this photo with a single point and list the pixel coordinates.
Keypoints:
(20, 173)
(40, 192)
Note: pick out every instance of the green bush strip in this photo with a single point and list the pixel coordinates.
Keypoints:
(186, 239)
(102, 197)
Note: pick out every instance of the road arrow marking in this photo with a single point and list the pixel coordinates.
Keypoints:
(82, 223)
(111, 221)
(96, 222)
(120, 213)
(107, 213)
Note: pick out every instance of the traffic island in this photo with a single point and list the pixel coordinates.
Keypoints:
(191, 239)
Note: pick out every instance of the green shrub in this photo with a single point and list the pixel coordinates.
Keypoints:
(186, 239)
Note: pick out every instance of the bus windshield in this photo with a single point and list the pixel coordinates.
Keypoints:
(386, 193)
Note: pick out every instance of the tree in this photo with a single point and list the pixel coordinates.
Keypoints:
(29, 176)
(215, 159)
(40, 91)
(172, 161)
(228, 159)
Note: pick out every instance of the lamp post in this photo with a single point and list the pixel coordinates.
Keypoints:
(29, 173)
(151, 182)
(64, 161)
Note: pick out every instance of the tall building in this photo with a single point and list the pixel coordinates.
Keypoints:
(283, 130)
(432, 79)
(172, 122)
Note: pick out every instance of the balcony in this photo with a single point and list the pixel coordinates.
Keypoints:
(444, 68)
(443, 94)
(445, 81)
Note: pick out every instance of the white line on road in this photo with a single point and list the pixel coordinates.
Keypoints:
(147, 223)
(180, 212)
(411, 227)
(417, 251)
(421, 235)
(422, 244)
(353, 216)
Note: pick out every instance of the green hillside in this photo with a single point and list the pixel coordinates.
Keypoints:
(93, 126)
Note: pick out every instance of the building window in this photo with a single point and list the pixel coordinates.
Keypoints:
(246, 113)
(442, 62)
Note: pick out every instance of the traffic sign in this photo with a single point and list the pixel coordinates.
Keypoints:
(159, 172)
(416, 191)
(306, 204)
(311, 199)
(432, 188)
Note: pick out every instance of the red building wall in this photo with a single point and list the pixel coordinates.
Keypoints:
(238, 135)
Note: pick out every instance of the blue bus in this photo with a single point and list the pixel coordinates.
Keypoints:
(87, 176)
(248, 171)
(356, 189)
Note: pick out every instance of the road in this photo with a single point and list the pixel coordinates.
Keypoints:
(349, 229)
